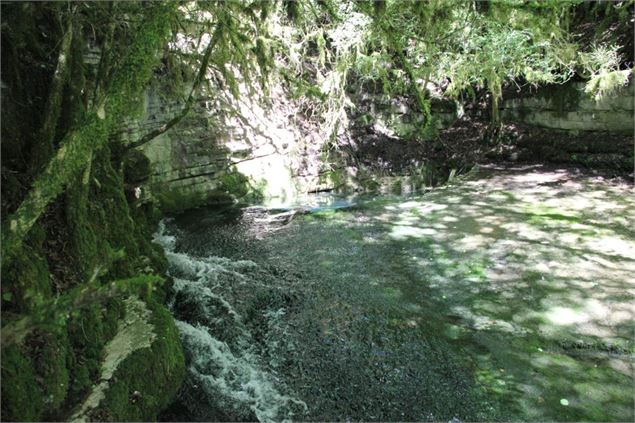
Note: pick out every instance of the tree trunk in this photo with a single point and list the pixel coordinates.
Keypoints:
(494, 129)
(78, 145)
(496, 119)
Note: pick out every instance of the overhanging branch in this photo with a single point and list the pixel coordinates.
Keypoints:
(200, 77)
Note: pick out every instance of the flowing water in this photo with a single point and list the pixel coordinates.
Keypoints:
(507, 296)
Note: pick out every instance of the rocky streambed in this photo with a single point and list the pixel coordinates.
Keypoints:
(504, 296)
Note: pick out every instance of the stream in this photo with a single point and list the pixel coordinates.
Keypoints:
(505, 296)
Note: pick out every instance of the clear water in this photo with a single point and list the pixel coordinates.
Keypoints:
(506, 297)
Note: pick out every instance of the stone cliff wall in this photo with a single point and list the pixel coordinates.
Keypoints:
(228, 148)
(565, 125)
(568, 107)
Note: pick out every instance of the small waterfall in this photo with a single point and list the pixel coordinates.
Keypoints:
(226, 375)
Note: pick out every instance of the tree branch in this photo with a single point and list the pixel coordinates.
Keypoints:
(190, 100)
(44, 147)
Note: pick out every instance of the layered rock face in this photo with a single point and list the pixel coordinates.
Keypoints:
(226, 148)
(564, 124)
(273, 150)
(270, 148)
(568, 107)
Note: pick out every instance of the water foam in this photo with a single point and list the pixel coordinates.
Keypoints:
(233, 379)
(227, 370)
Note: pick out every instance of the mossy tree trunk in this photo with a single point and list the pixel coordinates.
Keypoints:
(77, 147)
(71, 212)
(44, 149)
(419, 92)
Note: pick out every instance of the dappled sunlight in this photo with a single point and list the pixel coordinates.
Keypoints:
(590, 309)
(400, 232)
(473, 242)
(449, 219)
(542, 258)
(612, 246)
(532, 293)
(484, 322)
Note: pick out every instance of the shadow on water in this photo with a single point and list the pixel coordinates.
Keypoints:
(501, 298)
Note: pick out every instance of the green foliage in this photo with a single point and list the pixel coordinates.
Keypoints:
(420, 49)
(606, 83)
(320, 49)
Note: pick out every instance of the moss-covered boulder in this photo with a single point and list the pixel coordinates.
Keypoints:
(142, 368)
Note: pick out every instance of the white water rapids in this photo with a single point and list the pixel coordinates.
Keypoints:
(226, 371)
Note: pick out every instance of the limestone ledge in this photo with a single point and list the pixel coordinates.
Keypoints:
(570, 108)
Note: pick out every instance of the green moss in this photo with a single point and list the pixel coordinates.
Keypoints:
(152, 259)
(47, 373)
(39, 377)
(21, 398)
(50, 358)
(136, 167)
(88, 332)
(176, 200)
(26, 280)
(78, 145)
(335, 178)
(231, 187)
(563, 98)
(86, 247)
(235, 184)
(540, 215)
(149, 378)
(110, 215)
(256, 192)
(54, 369)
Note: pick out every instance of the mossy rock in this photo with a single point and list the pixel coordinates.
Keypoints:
(235, 184)
(48, 374)
(147, 381)
(26, 280)
(50, 357)
(136, 167)
(21, 397)
(109, 214)
(177, 200)
(37, 377)
(88, 332)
